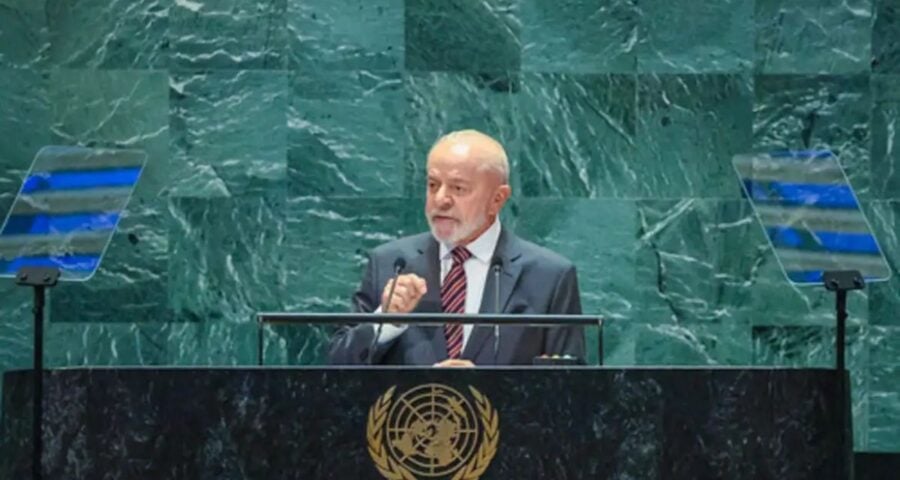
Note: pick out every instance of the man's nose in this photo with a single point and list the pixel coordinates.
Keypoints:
(443, 199)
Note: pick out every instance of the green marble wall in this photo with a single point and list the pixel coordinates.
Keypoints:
(286, 137)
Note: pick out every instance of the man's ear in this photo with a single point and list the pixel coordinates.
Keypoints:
(500, 197)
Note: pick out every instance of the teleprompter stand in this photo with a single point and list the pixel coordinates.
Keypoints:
(39, 279)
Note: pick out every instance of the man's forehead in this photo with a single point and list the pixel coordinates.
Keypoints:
(453, 172)
(458, 155)
(446, 160)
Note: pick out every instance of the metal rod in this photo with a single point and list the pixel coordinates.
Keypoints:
(840, 367)
(259, 344)
(39, 279)
(38, 377)
(429, 319)
(841, 308)
(599, 342)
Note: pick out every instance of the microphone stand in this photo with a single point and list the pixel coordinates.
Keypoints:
(496, 265)
(399, 265)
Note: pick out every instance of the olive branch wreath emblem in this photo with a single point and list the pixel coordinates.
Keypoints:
(393, 470)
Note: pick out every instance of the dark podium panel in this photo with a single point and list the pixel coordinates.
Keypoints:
(312, 423)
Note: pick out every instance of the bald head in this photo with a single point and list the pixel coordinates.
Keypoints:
(472, 144)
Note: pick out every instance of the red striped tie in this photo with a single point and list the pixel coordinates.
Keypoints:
(453, 300)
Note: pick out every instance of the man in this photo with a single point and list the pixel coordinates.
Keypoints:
(448, 270)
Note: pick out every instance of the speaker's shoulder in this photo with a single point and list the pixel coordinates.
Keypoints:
(403, 246)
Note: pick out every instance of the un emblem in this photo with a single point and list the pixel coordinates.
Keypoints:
(432, 431)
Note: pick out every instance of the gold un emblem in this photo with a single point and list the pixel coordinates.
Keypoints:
(432, 431)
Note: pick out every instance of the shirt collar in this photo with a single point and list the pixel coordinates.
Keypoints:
(482, 247)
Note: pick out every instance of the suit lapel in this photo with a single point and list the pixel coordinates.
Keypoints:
(427, 265)
(509, 274)
(507, 250)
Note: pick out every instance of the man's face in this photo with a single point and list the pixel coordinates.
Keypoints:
(462, 198)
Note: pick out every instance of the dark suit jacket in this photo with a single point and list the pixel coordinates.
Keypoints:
(534, 280)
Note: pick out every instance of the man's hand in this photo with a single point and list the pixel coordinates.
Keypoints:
(410, 289)
(455, 363)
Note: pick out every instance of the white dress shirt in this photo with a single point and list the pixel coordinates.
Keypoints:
(476, 267)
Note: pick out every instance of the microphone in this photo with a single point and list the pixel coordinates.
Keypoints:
(496, 266)
(399, 265)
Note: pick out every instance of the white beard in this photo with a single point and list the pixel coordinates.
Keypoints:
(464, 230)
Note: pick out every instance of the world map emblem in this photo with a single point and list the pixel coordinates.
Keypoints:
(432, 431)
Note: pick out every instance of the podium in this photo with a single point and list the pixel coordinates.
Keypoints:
(504, 423)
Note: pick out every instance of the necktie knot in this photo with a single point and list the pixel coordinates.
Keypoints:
(460, 255)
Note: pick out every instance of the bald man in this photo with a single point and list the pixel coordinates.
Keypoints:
(449, 270)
